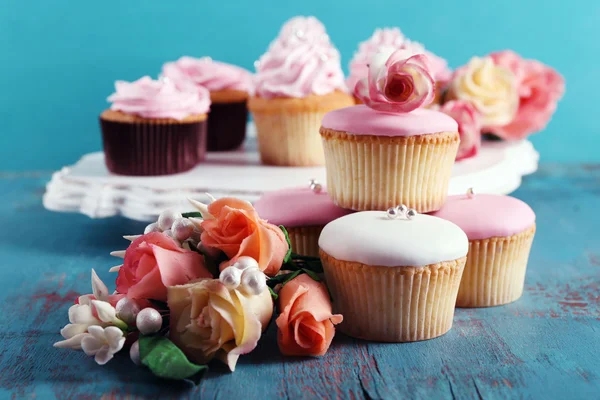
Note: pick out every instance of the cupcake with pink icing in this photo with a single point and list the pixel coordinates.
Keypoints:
(229, 87)
(390, 39)
(303, 212)
(391, 150)
(298, 80)
(154, 128)
(500, 231)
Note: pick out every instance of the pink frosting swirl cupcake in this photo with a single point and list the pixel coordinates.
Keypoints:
(298, 80)
(154, 128)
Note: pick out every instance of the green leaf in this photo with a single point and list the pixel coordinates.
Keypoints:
(166, 360)
(312, 274)
(288, 255)
(193, 214)
(274, 295)
(291, 276)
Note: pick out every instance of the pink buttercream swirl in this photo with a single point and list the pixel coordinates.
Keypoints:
(150, 98)
(300, 62)
(398, 82)
(189, 72)
(390, 39)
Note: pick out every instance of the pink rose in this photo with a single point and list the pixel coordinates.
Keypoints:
(539, 88)
(469, 126)
(398, 82)
(154, 262)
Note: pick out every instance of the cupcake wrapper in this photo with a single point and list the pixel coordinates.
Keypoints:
(495, 270)
(376, 173)
(393, 304)
(226, 126)
(147, 148)
(290, 139)
(305, 240)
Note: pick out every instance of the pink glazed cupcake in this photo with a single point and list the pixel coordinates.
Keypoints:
(153, 128)
(229, 87)
(304, 212)
(500, 231)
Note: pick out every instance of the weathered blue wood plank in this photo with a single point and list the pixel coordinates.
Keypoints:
(543, 346)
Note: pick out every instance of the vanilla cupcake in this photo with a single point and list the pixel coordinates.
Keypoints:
(393, 275)
(153, 128)
(390, 150)
(298, 81)
(500, 231)
(303, 212)
(229, 87)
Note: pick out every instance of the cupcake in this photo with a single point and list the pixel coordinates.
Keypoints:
(500, 231)
(390, 39)
(298, 81)
(393, 275)
(303, 212)
(229, 88)
(153, 128)
(389, 151)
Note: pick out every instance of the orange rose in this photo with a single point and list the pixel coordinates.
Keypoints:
(234, 227)
(305, 325)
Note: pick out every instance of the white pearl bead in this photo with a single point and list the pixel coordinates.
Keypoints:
(245, 262)
(153, 227)
(166, 219)
(148, 321)
(253, 281)
(470, 193)
(411, 213)
(182, 229)
(230, 277)
(401, 209)
(127, 310)
(392, 213)
(134, 353)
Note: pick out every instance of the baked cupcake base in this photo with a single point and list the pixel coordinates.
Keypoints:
(403, 304)
(495, 270)
(305, 240)
(366, 172)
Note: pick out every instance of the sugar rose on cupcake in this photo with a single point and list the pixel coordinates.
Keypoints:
(469, 126)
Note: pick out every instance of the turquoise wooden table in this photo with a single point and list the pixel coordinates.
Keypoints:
(546, 345)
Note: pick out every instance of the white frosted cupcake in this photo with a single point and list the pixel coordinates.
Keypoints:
(393, 275)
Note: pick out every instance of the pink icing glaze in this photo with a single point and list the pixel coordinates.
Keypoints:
(213, 75)
(486, 215)
(298, 207)
(300, 62)
(158, 99)
(362, 120)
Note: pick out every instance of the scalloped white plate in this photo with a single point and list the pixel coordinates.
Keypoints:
(88, 188)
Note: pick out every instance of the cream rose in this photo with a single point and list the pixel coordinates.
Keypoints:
(208, 320)
(492, 89)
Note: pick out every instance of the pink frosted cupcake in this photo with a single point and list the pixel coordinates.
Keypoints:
(500, 231)
(153, 128)
(229, 86)
(298, 81)
(390, 39)
(304, 212)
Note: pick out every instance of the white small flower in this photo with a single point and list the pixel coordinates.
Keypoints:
(73, 342)
(106, 312)
(102, 343)
(98, 287)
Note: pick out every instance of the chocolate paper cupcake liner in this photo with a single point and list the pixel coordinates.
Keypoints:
(226, 126)
(147, 148)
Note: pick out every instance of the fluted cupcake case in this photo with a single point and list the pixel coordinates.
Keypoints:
(394, 279)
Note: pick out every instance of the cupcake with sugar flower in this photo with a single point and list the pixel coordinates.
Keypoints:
(154, 128)
(390, 150)
(229, 87)
(389, 39)
(298, 80)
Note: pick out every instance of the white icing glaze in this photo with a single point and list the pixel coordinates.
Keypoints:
(371, 238)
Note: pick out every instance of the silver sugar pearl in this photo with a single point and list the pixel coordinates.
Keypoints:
(392, 213)
(127, 310)
(411, 213)
(316, 187)
(402, 209)
(153, 227)
(148, 321)
(470, 193)
(299, 33)
(182, 229)
(134, 353)
(166, 219)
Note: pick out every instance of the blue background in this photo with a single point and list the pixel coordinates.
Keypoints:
(60, 58)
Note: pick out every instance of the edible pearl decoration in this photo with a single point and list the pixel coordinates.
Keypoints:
(392, 213)
(153, 227)
(182, 229)
(231, 277)
(148, 321)
(253, 281)
(470, 193)
(402, 209)
(166, 219)
(411, 213)
(245, 262)
(134, 353)
(315, 186)
(127, 310)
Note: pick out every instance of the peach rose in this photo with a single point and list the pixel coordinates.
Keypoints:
(234, 227)
(539, 88)
(208, 320)
(153, 262)
(305, 325)
(469, 126)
